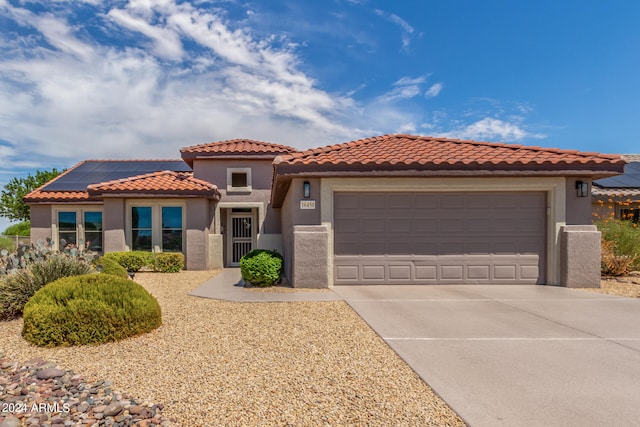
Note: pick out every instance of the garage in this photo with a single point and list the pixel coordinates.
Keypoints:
(439, 238)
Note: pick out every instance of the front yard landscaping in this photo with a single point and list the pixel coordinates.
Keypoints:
(222, 363)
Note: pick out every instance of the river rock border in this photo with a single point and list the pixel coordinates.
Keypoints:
(39, 393)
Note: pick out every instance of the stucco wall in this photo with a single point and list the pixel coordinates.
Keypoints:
(215, 172)
(197, 228)
(578, 208)
(114, 225)
(40, 222)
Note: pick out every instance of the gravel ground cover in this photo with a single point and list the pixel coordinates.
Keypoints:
(223, 363)
(627, 286)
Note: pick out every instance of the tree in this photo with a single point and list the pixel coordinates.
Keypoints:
(20, 229)
(11, 204)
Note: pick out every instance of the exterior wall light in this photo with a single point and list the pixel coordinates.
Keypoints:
(306, 189)
(582, 188)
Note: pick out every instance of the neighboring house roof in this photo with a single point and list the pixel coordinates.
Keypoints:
(71, 185)
(241, 148)
(413, 155)
(157, 183)
(625, 185)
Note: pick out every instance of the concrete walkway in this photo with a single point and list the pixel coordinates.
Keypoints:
(515, 355)
(229, 286)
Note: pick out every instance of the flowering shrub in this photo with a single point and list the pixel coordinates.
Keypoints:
(620, 235)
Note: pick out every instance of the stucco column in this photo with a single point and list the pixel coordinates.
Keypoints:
(310, 263)
(580, 255)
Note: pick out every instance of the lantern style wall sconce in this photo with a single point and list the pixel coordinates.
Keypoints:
(582, 188)
(306, 189)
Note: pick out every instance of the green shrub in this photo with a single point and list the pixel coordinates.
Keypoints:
(626, 238)
(168, 262)
(18, 287)
(110, 266)
(131, 260)
(7, 243)
(20, 229)
(89, 309)
(261, 267)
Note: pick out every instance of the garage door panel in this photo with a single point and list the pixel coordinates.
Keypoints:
(440, 237)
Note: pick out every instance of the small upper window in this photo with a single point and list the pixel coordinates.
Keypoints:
(239, 180)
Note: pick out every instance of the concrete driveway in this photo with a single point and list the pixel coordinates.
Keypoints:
(514, 355)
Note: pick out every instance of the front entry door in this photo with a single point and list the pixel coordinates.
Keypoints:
(242, 226)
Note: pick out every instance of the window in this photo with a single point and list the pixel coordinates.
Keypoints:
(141, 231)
(239, 180)
(80, 228)
(172, 228)
(93, 231)
(630, 214)
(157, 227)
(67, 229)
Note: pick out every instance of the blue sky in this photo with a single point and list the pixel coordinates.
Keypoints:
(141, 78)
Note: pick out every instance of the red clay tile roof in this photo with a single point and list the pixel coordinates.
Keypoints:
(239, 146)
(37, 196)
(161, 183)
(420, 151)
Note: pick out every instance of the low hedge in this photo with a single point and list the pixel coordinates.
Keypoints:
(89, 309)
(18, 287)
(262, 267)
(168, 262)
(133, 261)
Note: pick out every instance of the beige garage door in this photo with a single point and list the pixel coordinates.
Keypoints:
(439, 238)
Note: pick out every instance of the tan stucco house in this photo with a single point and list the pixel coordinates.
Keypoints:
(392, 209)
(618, 197)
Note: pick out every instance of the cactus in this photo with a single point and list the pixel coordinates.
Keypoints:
(26, 254)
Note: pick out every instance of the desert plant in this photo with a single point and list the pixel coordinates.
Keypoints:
(17, 288)
(261, 267)
(131, 260)
(168, 262)
(613, 264)
(89, 309)
(110, 266)
(626, 238)
(26, 254)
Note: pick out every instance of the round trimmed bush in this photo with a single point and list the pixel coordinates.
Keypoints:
(89, 309)
(261, 267)
(111, 266)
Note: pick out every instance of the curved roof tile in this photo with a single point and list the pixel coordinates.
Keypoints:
(238, 146)
(401, 149)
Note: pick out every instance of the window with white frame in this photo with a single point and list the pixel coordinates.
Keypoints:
(239, 180)
(79, 228)
(156, 226)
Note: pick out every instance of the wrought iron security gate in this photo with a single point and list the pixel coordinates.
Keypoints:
(241, 236)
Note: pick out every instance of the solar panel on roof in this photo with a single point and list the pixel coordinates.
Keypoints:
(629, 179)
(93, 172)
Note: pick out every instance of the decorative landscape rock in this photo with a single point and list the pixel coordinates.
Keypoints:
(35, 393)
(45, 374)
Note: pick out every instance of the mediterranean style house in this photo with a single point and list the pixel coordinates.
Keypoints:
(391, 209)
(619, 197)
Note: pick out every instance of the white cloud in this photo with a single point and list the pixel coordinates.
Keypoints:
(404, 88)
(434, 90)
(167, 42)
(490, 129)
(82, 100)
(407, 29)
